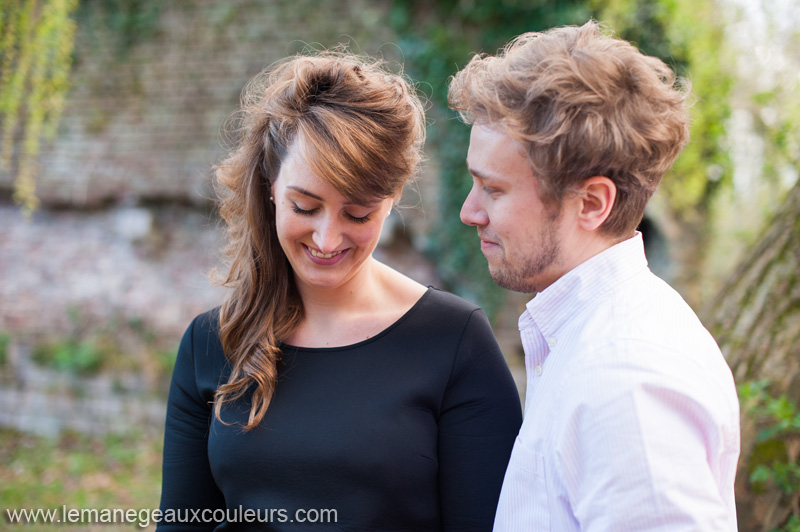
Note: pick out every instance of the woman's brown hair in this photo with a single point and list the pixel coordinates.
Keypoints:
(363, 128)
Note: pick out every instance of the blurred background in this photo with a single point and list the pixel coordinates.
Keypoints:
(113, 113)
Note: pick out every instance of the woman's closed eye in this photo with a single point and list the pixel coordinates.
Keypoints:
(352, 217)
(297, 210)
(359, 219)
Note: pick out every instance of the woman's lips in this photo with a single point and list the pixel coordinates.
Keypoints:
(325, 259)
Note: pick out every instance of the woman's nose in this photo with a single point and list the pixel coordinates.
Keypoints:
(327, 235)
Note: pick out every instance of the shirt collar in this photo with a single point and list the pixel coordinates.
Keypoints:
(553, 307)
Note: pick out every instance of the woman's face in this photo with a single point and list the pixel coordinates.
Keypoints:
(327, 237)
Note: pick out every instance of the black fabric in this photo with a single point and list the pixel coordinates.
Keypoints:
(409, 430)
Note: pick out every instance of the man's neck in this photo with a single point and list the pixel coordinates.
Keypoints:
(583, 247)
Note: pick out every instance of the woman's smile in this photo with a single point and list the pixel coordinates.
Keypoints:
(325, 259)
(327, 237)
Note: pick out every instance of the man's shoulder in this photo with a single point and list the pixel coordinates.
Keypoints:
(650, 311)
(644, 308)
(645, 326)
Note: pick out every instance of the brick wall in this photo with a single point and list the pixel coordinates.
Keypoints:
(143, 120)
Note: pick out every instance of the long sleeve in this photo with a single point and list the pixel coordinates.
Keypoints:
(187, 480)
(480, 418)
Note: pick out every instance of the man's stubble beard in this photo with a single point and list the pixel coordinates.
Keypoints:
(522, 277)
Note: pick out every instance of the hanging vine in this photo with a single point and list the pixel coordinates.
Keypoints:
(36, 41)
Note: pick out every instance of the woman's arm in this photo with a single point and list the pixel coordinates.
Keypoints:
(480, 419)
(189, 492)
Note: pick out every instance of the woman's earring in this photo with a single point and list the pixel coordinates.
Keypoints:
(272, 199)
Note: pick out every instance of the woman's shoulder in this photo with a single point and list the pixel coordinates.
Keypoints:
(405, 289)
(207, 321)
(442, 311)
(203, 325)
(444, 300)
(202, 335)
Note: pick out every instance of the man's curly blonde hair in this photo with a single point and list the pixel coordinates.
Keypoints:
(585, 104)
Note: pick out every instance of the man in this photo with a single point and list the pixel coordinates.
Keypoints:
(631, 414)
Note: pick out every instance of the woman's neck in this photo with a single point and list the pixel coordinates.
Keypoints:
(357, 310)
(357, 293)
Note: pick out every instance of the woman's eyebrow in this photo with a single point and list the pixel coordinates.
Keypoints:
(304, 192)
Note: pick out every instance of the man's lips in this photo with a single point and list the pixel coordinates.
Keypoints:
(487, 242)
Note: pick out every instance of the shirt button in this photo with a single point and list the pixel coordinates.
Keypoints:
(551, 342)
(538, 370)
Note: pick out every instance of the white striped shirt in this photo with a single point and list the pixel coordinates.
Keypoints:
(631, 414)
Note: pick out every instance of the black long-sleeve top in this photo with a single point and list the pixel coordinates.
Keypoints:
(409, 430)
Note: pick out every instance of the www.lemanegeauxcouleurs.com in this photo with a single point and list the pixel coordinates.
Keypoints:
(145, 517)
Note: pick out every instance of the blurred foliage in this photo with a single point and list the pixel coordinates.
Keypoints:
(76, 356)
(118, 24)
(778, 120)
(775, 460)
(36, 40)
(438, 38)
(79, 471)
(686, 34)
(4, 341)
(120, 346)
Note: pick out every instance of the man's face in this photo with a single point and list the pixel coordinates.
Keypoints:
(521, 237)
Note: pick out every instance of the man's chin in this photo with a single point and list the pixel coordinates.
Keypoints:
(510, 282)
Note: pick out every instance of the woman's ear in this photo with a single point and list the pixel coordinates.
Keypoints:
(395, 202)
(597, 195)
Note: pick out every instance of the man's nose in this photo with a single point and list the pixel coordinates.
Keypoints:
(472, 212)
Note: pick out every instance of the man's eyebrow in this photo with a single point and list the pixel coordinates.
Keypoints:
(480, 175)
(304, 192)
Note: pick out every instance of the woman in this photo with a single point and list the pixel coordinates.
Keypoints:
(330, 389)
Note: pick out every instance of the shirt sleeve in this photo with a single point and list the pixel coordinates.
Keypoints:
(480, 418)
(188, 487)
(643, 450)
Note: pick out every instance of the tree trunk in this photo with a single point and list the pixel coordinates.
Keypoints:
(756, 321)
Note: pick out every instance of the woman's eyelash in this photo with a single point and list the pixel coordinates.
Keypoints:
(356, 219)
(361, 220)
(304, 212)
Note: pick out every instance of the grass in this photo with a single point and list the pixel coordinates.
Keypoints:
(78, 471)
